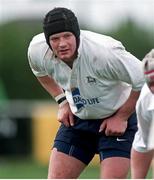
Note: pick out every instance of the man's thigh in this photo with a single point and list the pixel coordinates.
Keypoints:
(73, 149)
(115, 151)
(64, 166)
(75, 142)
(118, 146)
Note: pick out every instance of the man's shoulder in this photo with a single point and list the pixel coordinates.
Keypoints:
(101, 39)
(38, 46)
(38, 40)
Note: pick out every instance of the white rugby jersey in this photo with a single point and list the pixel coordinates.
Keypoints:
(145, 116)
(101, 78)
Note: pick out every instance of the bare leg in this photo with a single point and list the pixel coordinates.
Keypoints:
(115, 168)
(63, 166)
(140, 163)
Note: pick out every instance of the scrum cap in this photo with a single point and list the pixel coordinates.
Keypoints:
(60, 20)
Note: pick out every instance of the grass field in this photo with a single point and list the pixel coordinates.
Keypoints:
(26, 168)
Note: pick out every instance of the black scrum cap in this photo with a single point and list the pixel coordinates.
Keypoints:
(60, 20)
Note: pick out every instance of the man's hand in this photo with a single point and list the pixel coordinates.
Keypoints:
(114, 126)
(65, 115)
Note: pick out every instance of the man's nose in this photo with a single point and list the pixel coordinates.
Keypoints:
(62, 43)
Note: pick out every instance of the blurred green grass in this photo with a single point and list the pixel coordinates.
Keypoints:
(27, 168)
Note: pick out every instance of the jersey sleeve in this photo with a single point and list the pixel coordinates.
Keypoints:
(36, 59)
(123, 66)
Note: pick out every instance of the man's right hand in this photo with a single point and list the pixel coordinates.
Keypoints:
(65, 115)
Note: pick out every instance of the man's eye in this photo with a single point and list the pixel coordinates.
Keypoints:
(54, 39)
(67, 35)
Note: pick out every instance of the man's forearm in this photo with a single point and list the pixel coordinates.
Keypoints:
(129, 106)
(50, 85)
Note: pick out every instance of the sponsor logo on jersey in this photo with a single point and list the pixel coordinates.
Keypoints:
(76, 95)
(81, 102)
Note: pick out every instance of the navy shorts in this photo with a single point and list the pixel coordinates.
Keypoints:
(83, 140)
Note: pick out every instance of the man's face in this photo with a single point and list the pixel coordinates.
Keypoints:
(64, 46)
